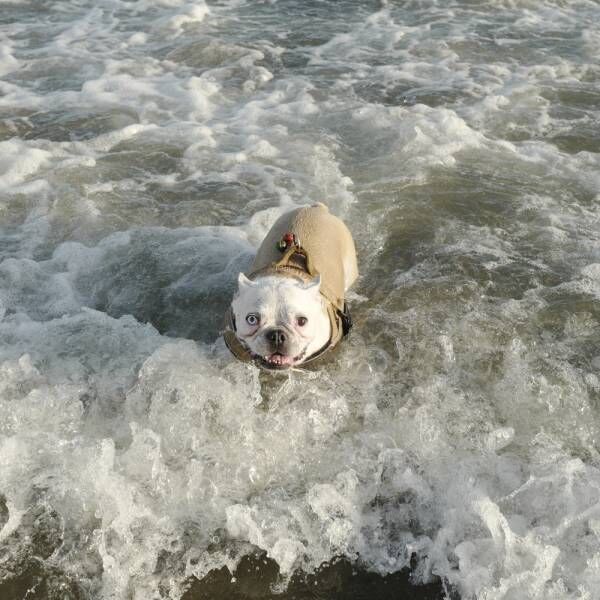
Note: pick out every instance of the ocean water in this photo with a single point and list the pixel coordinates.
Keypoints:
(146, 147)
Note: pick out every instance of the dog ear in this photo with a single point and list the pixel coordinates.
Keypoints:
(314, 284)
(243, 282)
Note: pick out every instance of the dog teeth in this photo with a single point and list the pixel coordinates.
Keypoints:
(278, 359)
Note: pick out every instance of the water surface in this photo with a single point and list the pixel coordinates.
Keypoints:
(145, 149)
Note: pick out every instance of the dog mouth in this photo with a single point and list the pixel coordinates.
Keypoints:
(277, 360)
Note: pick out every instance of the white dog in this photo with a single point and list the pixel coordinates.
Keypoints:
(291, 308)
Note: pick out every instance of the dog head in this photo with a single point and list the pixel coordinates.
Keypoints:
(281, 320)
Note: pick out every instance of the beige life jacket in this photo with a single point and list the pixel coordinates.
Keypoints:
(284, 253)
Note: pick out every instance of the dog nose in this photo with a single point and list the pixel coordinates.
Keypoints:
(276, 336)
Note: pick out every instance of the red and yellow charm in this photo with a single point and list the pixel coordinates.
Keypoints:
(288, 239)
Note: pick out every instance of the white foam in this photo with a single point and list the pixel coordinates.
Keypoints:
(106, 142)
(195, 14)
(8, 62)
(19, 161)
(457, 422)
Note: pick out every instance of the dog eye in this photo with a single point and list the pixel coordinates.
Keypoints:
(302, 321)
(252, 319)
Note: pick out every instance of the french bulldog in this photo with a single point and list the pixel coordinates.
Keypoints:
(290, 308)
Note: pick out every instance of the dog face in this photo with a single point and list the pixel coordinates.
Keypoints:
(281, 320)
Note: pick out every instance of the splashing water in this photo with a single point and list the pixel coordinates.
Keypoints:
(145, 149)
